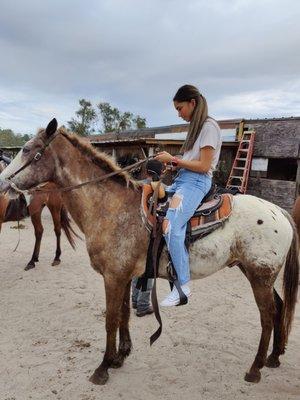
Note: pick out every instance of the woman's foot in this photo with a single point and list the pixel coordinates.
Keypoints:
(173, 298)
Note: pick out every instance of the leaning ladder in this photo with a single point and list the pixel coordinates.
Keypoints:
(239, 174)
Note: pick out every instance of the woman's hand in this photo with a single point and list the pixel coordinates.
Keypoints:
(164, 157)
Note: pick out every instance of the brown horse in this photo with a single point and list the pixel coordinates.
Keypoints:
(13, 210)
(296, 214)
(54, 202)
(4, 200)
(259, 236)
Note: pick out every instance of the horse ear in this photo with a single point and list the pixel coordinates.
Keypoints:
(51, 128)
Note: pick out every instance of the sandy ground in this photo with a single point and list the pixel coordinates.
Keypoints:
(52, 335)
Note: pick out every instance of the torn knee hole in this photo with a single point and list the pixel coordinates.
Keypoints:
(176, 201)
(165, 226)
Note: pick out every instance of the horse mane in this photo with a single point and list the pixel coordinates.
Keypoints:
(101, 159)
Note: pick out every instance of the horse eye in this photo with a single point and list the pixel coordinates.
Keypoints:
(26, 150)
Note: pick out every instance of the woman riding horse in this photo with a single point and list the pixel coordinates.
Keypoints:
(201, 151)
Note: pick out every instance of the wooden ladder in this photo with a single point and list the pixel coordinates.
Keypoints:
(239, 174)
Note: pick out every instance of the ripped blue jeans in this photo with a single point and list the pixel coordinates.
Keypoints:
(188, 190)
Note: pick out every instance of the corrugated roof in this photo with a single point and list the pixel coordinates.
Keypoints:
(155, 132)
(152, 132)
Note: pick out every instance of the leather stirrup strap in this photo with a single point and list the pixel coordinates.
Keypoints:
(173, 280)
(157, 236)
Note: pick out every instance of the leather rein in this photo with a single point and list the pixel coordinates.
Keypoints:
(38, 156)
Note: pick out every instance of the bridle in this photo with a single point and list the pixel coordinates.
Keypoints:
(38, 155)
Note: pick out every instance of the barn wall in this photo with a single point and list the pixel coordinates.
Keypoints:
(277, 139)
(279, 192)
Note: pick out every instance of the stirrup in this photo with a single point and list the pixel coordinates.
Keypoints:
(173, 281)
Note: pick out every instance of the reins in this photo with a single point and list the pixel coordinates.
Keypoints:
(95, 180)
(156, 235)
(38, 156)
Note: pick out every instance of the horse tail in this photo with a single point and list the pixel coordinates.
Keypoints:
(67, 227)
(290, 285)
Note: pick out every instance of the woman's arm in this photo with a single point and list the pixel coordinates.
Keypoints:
(202, 165)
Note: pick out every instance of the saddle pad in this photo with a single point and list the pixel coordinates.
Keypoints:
(223, 211)
(147, 217)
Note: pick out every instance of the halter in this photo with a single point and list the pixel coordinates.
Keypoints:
(36, 157)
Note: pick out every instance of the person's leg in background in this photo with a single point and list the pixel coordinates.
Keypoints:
(141, 300)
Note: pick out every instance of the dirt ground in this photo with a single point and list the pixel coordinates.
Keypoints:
(52, 334)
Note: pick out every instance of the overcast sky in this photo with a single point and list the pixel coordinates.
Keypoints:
(243, 55)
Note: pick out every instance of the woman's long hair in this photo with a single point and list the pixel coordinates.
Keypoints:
(200, 113)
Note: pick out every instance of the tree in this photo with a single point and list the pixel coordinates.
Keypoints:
(9, 138)
(86, 116)
(139, 122)
(116, 121)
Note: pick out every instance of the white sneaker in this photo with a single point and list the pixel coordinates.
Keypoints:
(173, 298)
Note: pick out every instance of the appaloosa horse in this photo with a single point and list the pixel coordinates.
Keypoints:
(259, 236)
(16, 209)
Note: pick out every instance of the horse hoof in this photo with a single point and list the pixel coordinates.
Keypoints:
(29, 266)
(272, 362)
(99, 378)
(253, 377)
(117, 362)
(125, 348)
(55, 262)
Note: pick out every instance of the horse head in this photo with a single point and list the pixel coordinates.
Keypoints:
(34, 164)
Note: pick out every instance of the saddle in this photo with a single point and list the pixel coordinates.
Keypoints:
(211, 213)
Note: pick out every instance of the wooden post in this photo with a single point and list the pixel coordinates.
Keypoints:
(240, 130)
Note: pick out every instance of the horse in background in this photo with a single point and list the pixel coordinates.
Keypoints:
(296, 214)
(17, 209)
(259, 237)
(4, 200)
(61, 220)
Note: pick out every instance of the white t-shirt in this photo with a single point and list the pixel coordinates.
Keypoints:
(210, 135)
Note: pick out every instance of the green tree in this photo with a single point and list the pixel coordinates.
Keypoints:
(9, 139)
(115, 121)
(139, 122)
(86, 116)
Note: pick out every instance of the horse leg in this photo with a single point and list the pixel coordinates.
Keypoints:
(114, 291)
(125, 343)
(38, 231)
(278, 347)
(265, 302)
(55, 212)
